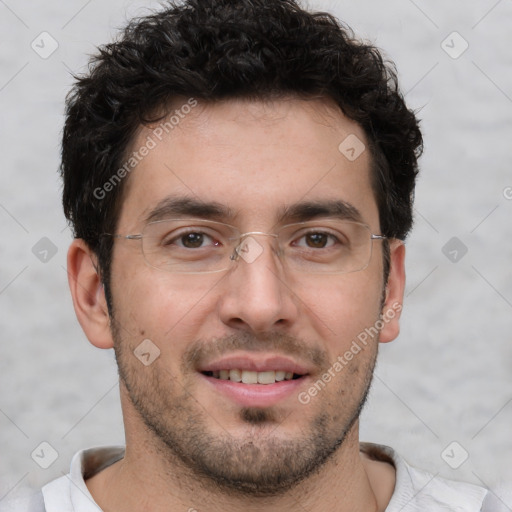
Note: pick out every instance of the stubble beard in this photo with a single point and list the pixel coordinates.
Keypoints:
(266, 462)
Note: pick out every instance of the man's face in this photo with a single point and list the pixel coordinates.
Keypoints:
(256, 161)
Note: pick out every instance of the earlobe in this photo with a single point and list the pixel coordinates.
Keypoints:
(394, 295)
(88, 294)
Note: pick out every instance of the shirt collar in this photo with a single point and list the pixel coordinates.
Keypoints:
(70, 493)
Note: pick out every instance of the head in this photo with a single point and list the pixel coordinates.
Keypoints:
(242, 108)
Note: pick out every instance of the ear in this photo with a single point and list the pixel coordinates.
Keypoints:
(88, 294)
(394, 293)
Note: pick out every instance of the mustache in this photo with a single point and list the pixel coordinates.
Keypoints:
(203, 351)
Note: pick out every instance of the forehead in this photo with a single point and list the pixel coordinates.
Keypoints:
(257, 159)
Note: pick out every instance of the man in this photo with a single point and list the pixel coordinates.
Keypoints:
(239, 178)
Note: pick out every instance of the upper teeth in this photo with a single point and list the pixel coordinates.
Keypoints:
(249, 377)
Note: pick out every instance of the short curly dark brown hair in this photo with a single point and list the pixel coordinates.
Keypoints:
(221, 49)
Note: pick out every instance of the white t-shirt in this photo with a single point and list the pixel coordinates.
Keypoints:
(415, 490)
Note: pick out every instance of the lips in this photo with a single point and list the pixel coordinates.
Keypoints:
(256, 395)
(255, 379)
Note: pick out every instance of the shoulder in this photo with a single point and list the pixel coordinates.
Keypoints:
(68, 493)
(416, 489)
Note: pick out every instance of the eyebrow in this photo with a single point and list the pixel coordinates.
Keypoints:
(178, 206)
(172, 206)
(309, 210)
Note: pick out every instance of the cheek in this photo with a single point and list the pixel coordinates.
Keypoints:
(165, 308)
(342, 307)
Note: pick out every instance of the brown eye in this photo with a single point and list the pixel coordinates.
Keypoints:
(192, 240)
(317, 240)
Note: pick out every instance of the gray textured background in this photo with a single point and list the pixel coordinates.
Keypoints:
(449, 375)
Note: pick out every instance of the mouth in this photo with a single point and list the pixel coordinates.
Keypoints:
(253, 377)
(255, 380)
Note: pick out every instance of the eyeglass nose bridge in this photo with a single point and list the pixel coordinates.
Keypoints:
(239, 248)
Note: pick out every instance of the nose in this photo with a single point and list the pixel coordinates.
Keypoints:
(255, 294)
